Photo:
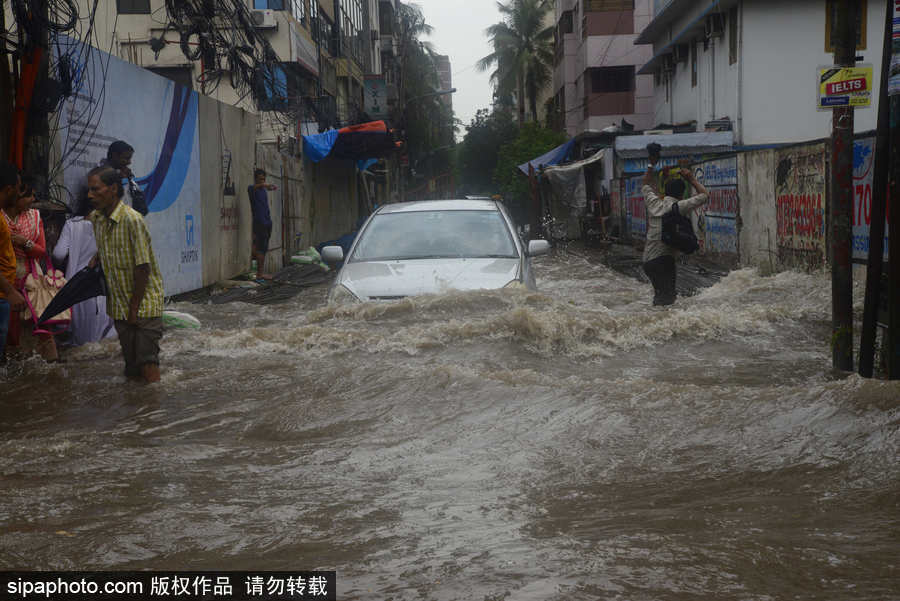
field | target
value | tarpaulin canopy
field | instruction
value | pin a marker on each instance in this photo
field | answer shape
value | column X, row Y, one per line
column 554, row 157
column 318, row 146
column 567, row 181
column 357, row 142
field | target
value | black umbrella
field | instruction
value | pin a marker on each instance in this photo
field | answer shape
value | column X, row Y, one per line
column 87, row 283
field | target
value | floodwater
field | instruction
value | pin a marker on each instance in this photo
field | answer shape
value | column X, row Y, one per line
column 573, row 443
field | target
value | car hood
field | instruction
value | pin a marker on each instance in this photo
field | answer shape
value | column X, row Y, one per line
column 394, row 279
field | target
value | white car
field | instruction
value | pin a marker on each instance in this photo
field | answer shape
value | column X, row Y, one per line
column 429, row 247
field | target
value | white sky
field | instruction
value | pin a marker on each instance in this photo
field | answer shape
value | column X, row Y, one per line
column 459, row 32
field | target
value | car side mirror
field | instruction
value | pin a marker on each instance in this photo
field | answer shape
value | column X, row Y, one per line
column 537, row 248
column 333, row 254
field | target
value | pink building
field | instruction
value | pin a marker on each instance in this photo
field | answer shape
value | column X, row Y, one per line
column 595, row 79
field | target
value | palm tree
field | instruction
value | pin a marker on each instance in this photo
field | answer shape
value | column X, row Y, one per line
column 523, row 52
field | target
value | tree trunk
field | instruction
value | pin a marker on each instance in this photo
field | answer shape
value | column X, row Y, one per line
column 521, row 97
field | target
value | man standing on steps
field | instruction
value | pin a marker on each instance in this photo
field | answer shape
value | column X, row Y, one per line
column 659, row 258
column 262, row 220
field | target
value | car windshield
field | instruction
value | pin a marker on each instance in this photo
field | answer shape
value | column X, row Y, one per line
column 434, row 235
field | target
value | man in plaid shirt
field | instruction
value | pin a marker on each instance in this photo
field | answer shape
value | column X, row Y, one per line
column 124, row 249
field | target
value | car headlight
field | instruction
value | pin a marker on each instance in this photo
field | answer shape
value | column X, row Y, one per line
column 341, row 295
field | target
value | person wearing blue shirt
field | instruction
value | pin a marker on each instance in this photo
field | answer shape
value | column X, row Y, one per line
column 262, row 220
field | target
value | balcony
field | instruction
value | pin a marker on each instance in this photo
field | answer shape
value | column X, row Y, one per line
column 609, row 103
column 607, row 23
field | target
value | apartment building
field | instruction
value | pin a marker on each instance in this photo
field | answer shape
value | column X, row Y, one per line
column 445, row 77
column 595, row 81
column 326, row 49
column 750, row 65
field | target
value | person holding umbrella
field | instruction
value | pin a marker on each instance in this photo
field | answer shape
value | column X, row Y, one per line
column 90, row 323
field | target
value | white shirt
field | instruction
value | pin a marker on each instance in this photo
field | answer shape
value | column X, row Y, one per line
column 656, row 208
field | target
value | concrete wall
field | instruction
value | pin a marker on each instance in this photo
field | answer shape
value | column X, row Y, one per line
column 227, row 134
column 783, row 45
column 269, row 158
column 331, row 206
column 756, row 191
column 770, row 92
column 719, row 218
column 800, row 195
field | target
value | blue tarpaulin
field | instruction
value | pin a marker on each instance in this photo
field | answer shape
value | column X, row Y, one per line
column 318, row 146
column 364, row 164
column 554, row 157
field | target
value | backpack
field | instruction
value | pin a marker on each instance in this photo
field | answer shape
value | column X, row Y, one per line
column 678, row 232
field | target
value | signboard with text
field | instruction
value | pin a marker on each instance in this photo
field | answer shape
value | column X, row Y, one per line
column 166, row 160
column 376, row 97
column 863, row 170
column 844, row 87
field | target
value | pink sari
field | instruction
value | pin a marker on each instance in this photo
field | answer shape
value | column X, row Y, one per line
column 28, row 225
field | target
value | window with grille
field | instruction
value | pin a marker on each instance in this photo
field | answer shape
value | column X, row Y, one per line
column 605, row 80
column 275, row 89
column 298, row 9
column 133, row 7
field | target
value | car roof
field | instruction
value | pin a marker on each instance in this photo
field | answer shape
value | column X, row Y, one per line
column 438, row 205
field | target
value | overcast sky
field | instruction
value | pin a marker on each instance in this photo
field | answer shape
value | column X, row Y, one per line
column 459, row 32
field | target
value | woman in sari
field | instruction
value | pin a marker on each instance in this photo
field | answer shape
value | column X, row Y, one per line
column 27, row 232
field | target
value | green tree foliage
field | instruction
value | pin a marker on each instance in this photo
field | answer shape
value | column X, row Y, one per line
column 532, row 141
column 522, row 52
column 480, row 148
column 427, row 122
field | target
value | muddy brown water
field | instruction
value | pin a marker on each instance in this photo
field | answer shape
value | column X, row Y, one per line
column 573, row 443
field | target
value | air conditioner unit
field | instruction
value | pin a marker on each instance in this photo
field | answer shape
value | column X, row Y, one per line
column 715, row 25
column 264, row 18
column 681, row 53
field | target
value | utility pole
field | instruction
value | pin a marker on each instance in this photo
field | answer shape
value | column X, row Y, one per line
column 893, row 342
column 841, row 206
column 879, row 199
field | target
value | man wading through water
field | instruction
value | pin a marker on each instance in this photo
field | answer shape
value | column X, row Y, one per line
column 135, row 300
column 659, row 258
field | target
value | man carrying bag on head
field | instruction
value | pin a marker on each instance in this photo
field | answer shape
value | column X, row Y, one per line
column 668, row 218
